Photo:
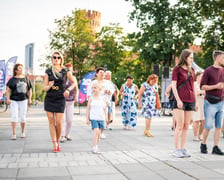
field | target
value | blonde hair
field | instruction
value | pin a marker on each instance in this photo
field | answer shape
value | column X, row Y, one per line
column 61, row 64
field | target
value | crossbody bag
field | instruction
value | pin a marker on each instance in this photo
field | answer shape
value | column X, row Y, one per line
column 171, row 97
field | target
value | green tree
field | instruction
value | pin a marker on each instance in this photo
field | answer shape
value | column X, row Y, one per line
column 165, row 29
column 73, row 37
column 211, row 11
column 114, row 50
column 108, row 48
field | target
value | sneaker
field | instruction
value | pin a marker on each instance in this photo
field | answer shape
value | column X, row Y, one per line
column 108, row 127
column 95, row 150
column 178, row 153
column 13, row 137
column 102, row 136
column 204, row 149
column 185, row 153
column 217, row 150
column 196, row 139
column 23, row 135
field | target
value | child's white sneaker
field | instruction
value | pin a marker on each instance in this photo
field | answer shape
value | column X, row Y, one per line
column 95, row 150
column 102, row 136
column 13, row 137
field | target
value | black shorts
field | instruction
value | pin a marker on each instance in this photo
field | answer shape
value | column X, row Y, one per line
column 187, row 106
column 171, row 104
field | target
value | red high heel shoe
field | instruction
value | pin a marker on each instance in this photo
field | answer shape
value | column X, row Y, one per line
column 56, row 149
column 59, row 148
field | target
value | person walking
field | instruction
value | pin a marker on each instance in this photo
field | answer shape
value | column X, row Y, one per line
column 170, row 96
column 113, row 100
column 128, row 92
column 18, row 96
column 96, row 113
column 107, row 89
column 198, row 117
column 69, row 108
column 213, row 84
column 183, row 78
column 147, row 101
column 54, row 103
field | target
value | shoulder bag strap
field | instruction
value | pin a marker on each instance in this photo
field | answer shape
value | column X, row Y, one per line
column 188, row 75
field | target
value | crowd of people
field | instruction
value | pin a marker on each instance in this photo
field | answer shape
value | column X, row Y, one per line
column 197, row 98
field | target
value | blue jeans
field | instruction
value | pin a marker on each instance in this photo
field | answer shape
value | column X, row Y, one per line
column 213, row 112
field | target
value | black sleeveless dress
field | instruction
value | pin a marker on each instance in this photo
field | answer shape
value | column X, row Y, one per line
column 54, row 99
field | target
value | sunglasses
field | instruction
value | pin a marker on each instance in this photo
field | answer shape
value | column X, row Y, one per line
column 56, row 57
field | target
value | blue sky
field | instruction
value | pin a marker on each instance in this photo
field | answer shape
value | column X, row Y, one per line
column 27, row 21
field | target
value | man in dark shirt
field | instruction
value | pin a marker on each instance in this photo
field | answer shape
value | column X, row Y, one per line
column 213, row 83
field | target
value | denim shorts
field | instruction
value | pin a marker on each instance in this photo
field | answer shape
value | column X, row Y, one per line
column 187, row 106
column 97, row 124
column 109, row 109
column 213, row 112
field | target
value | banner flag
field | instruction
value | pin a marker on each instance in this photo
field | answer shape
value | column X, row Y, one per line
column 87, row 78
column 2, row 78
column 9, row 68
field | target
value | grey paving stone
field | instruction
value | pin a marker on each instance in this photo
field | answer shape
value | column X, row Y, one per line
column 8, row 173
column 12, row 165
column 173, row 174
column 131, row 168
column 143, row 176
column 100, row 177
column 43, row 172
column 200, row 173
column 125, row 154
column 47, row 177
column 89, row 170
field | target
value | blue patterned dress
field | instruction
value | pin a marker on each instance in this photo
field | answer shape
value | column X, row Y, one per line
column 149, row 101
column 129, row 109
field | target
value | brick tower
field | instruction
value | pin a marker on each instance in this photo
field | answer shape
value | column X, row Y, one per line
column 95, row 20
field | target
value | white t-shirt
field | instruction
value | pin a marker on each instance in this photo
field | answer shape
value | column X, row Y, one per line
column 97, row 109
column 107, row 85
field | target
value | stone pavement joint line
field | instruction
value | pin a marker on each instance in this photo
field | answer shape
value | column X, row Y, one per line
column 168, row 164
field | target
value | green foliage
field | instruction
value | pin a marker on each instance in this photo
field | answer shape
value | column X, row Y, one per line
column 73, row 38
column 39, row 88
column 165, row 29
column 115, row 51
column 212, row 14
column 108, row 47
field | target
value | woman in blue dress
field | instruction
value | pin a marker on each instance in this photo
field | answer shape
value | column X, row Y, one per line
column 147, row 101
column 129, row 110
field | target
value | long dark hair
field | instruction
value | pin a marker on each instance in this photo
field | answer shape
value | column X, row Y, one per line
column 183, row 59
column 15, row 68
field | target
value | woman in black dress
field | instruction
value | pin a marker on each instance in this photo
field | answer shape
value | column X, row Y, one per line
column 54, row 104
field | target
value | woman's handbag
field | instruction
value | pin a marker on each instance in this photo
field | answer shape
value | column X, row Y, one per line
column 158, row 103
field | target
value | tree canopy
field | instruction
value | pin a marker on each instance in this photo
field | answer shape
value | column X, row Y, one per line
column 73, row 38
column 165, row 29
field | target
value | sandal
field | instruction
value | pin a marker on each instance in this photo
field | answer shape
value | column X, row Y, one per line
column 59, row 148
column 56, row 149
column 62, row 140
column 68, row 138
